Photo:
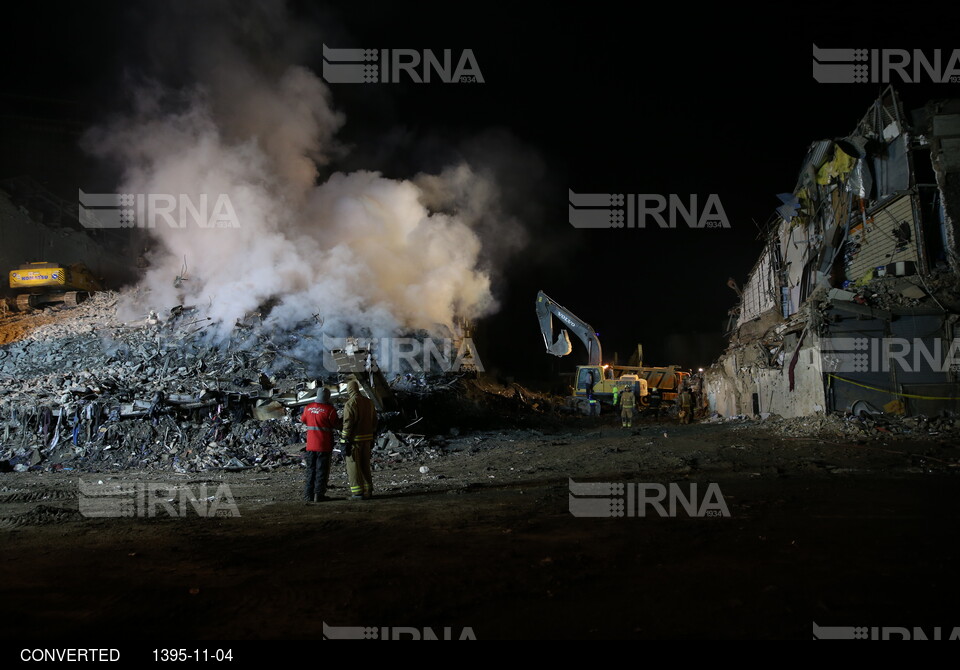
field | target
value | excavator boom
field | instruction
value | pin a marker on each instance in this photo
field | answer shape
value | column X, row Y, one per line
column 547, row 308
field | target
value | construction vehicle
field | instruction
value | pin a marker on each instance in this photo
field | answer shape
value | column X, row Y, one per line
column 595, row 382
column 44, row 283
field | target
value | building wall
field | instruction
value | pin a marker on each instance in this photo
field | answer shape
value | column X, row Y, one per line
column 23, row 240
column 731, row 383
column 858, row 206
column 760, row 291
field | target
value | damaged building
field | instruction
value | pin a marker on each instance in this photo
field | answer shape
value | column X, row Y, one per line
column 852, row 304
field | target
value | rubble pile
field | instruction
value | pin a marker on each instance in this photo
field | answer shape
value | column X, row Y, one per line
column 82, row 389
column 473, row 402
column 90, row 391
column 863, row 426
column 896, row 292
column 942, row 288
column 391, row 447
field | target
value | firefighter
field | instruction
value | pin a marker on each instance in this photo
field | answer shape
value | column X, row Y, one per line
column 686, row 405
column 616, row 395
column 359, row 425
column 321, row 420
column 628, row 402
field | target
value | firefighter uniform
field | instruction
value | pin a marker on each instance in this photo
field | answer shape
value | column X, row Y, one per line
column 359, row 425
column 628, row 403
column 321, row 421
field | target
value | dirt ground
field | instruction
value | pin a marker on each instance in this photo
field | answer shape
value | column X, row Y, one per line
column 837, row 533
column 16, row 325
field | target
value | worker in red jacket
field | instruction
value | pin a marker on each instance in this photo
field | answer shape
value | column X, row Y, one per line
column 321, row 420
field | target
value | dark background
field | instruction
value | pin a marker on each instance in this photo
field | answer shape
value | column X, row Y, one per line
column 593, row 99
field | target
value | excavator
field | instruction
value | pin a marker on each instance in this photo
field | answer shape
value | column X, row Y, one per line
column 44, row 283
column 596, row 381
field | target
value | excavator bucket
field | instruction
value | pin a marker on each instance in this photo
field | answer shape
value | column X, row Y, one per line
column 562, row 346
column 546, row 310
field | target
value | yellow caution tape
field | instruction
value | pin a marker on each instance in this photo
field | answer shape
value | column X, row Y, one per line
column 902, row 395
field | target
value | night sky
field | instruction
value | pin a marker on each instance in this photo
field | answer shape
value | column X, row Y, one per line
column 596, row 100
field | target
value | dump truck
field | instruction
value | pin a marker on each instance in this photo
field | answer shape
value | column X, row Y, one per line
column 43, row 283
column 595, row 382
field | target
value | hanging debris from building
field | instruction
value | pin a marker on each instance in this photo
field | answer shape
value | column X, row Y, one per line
column 853, row 302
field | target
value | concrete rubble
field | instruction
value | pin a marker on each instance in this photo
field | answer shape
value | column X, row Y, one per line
column 87, row 391
column 835, row 426
column 393, row 447
column 91, row 392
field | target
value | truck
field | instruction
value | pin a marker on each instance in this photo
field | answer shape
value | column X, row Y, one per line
column 596, row 382
column 43, row 283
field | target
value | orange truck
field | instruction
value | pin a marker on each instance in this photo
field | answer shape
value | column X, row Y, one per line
column 595, row 382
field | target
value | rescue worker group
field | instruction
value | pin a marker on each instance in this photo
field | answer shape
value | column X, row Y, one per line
column 356, row 428
column 626, row 399
column 359, row 425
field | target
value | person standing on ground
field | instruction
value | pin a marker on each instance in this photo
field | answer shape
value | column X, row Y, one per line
column 359, row 425
column 686, row 405
column 321, row 420
column 628, row 402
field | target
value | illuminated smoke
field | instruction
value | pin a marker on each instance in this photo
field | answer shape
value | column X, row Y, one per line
column 366, row 253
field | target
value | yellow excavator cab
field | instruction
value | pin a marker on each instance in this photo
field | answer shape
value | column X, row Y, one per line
column 43, row 283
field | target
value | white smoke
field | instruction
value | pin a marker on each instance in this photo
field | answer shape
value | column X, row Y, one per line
column 360, row 251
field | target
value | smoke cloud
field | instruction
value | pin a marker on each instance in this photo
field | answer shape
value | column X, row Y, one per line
column 359, row 252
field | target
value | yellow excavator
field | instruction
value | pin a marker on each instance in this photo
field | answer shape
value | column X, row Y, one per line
column 44, row 283
column 595, row 382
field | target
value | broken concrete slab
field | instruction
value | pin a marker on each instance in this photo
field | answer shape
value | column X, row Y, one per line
column 840, row 294
column 914, row 292
column 266, row 410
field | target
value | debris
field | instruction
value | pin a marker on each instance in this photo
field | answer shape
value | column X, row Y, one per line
column 83, row 389
column 913, row 291
column 235, row 464
column 866, row 425
column 846, row 285
column 268, row 410
column 840, row 294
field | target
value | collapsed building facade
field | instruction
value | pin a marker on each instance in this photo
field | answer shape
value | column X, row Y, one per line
column 853, row 303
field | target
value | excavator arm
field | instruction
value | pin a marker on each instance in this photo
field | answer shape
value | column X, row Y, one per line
column 546, row 310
